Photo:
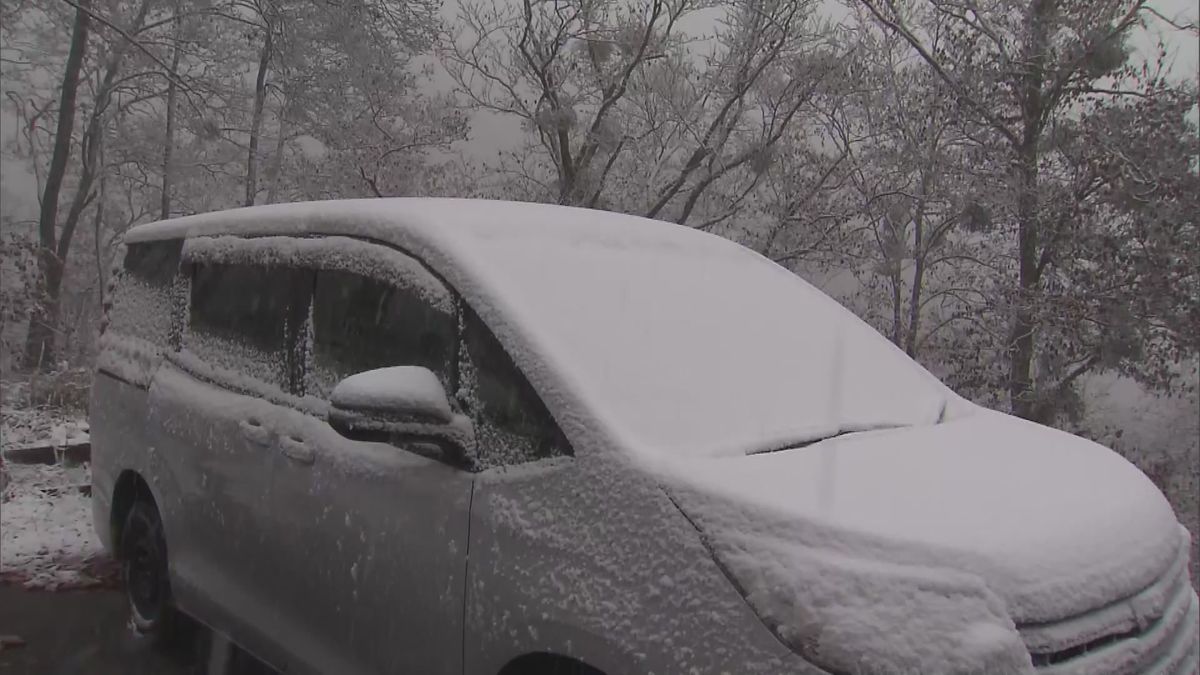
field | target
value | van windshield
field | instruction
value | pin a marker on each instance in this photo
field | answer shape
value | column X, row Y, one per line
column 689, row 345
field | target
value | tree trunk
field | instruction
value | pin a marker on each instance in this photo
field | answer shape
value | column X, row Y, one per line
column 1022, row 396
column 277, row 161
column 896, row 281
column 98, row 228
column 918, row 281
column 39, row 345
column 889, row 247
column 1020, row 347
column 164, row 207
column 914, row 299
column 260, row 98
column 92, row 145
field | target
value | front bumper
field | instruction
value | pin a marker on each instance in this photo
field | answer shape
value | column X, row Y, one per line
column 1155, row 631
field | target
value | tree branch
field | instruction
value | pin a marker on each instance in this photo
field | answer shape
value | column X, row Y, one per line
column 897, row 26
column 132, row 40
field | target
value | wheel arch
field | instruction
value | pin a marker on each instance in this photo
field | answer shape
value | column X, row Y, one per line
column 129, row 488
column 547, row 663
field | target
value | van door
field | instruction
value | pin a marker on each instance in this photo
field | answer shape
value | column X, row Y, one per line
column 212, row 421
column 373, row 537
column 137, row 329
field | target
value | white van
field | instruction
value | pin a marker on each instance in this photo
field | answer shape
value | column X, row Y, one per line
column 449, row 436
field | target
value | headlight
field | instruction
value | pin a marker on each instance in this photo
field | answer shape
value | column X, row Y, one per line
column 851, row 615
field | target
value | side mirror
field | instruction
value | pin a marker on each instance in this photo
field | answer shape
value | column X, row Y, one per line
column 402, row 405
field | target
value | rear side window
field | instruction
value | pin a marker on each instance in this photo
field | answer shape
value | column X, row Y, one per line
column 250, row 319
column 141, row 295
column 512, row 424
column 154, row 262
column 361, row 323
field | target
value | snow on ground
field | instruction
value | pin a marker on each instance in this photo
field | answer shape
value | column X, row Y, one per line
column 46, row 535
column 22, row 428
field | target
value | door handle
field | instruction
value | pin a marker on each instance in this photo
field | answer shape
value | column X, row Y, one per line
column 297, row 450
column 255, row 432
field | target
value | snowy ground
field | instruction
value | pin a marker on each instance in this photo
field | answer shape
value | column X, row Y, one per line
column 46, row 535
column 27, row 427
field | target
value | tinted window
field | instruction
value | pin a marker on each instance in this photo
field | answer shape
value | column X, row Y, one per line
column 249, row 319
column 360, row 324
column 155, row 261
column 512, row 424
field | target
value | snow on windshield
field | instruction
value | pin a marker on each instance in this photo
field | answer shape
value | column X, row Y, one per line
column 686, row 344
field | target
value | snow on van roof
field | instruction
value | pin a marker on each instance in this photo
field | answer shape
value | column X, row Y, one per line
column 399, row 220
column 656, row 338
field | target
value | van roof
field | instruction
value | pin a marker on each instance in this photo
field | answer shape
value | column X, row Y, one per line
column 404, row 221
column 653, row 337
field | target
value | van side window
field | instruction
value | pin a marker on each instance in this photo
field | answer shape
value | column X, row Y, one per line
column 250, row 319
column 154, row 262
column 360, row 323
column 140, row 295
column 512, row 424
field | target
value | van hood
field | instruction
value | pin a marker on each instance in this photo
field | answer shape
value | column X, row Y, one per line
column 1052, row 524
column 969, row 546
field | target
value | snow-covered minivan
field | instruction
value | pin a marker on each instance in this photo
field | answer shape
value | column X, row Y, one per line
column 444, row 436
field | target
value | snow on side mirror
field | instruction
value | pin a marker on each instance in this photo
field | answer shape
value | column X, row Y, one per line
column 402, row 405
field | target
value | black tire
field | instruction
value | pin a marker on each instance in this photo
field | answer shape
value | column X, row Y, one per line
column 143, row 555
column 548, row 664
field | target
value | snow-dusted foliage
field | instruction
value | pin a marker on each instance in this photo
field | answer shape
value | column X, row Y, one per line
column 25, row 426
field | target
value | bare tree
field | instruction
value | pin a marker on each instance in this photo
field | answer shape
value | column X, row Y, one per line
column 39, row 348
column 624, row 114
column 172, row 103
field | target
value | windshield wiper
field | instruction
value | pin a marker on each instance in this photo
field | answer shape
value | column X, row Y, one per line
column 821, row 439
column 835, row 388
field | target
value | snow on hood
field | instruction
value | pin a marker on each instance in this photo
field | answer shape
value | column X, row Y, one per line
column 1053, row 524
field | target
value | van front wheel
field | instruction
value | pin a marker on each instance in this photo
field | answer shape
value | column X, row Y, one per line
column 143, row 556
